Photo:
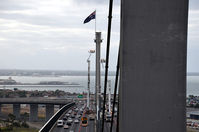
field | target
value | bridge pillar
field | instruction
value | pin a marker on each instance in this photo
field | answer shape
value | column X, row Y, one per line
column 16, row 110
column 153, row 65
column 49, row 111
column 33, row 112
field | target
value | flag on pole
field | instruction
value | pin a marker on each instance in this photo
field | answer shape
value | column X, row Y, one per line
column 90, row 17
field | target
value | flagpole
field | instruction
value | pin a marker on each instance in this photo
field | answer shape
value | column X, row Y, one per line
column 95, row 19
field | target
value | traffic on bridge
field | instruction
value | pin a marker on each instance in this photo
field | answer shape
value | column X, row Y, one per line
column 79, row 119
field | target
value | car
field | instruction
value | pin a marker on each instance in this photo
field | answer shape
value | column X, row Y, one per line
column 72, row 116
column 64, row 118
column 84, row 123
column 78, row 116
column 66, row 126
column 108, row 117
column 67, row 115
column 60, row 123
column 69, row 121
column 70, row 111
column 76, row 121
column 91, row 117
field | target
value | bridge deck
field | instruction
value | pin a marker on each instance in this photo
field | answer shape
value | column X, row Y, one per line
column 38, row 100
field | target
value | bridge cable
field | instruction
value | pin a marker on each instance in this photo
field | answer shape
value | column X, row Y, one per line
column 107, row 59
column 115, row 89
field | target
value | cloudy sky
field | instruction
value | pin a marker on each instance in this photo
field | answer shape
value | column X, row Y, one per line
column 50, row 34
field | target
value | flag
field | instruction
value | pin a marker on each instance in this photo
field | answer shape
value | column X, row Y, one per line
column 90, row 17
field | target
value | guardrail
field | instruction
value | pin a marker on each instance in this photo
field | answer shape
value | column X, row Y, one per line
column 49, row 124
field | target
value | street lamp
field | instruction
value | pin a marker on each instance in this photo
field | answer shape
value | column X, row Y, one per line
column 88, row 61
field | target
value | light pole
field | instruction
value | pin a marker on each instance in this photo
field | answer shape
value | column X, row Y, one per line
column 88, row 94
column 103, row 61
column 98, row 41
column 109, row 96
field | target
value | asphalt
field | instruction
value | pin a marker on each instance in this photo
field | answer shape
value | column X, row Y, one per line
column 76, row 127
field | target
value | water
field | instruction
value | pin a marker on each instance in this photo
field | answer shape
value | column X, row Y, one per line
column 82, row 80
column 192, row 83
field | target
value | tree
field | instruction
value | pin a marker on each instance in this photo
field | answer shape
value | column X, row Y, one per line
column 11, row 117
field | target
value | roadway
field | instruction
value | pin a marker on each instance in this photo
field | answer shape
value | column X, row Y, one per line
column 76, row 127
column 35, row 100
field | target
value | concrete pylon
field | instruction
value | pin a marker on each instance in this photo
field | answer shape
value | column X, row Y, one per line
column 33, row 112
column 153, row 65
column 16, row 110
column 49, row 111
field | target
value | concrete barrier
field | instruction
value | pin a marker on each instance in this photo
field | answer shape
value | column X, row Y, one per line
column 49, row 124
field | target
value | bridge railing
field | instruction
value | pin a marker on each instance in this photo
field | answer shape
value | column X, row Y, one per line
column 50, row 123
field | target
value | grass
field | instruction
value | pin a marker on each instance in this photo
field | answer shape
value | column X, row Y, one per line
column 24, row 130
column 191, row 130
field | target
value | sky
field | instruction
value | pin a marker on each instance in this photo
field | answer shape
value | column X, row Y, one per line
column 193, row 37
column 50, row 34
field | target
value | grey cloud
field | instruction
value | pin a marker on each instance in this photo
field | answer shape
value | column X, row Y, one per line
column 194, row 4
column 7, row 5
column 43, row 20
column 116, row 2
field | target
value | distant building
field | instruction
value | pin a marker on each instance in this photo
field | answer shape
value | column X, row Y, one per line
column 8, row 81
column 193, row 115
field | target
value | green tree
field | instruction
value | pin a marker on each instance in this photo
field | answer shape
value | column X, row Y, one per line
column 24, row 124
column 11, row 117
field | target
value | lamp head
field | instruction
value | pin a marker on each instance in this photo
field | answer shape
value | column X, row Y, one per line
column 91, row 51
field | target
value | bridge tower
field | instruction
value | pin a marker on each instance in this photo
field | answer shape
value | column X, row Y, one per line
column 153, row 65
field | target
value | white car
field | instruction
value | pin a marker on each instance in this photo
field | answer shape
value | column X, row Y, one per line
column 78, row 116
column 67, row 115
column 76, row 121
column 69, row 121
column 60, row 123
column 92, row 117
column 70, row 111
column 66, row 126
